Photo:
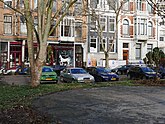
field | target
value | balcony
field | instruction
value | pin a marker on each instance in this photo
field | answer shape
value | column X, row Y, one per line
column 141, row 37
column 141, row 13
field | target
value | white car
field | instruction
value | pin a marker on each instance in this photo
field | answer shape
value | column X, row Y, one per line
column 79, row 75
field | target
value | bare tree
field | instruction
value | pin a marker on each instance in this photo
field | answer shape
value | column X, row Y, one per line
column 115, row 6
column 45, row 17
column 158, row 7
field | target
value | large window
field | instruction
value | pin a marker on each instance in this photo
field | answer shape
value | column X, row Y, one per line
column 139, row 5
column 126, row 5
column 23, row 29
column 103, row 23
column 67, row 28
column 111, row 45
column 138, row 51
column 140, row 26
column 101, row 48
column 150, row 29
column 35, row 4
column 8, row 2
column 93, row 45
column 92, row 23
column 52, row 29
column 125, row 27
column 149, row 47
column 78, row 29
column 111, row 24
column 150, row 8
column 7, row 24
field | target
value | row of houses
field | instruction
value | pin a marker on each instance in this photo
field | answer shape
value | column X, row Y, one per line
column 75, row 43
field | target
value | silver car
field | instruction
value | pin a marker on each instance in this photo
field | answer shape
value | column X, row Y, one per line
column 71, row 75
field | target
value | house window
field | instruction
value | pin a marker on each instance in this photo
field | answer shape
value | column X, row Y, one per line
column 125, row 27
column 101, row 48
column 150, row 8
column 23, row 29
column 111, row 24
column 126, row 5
column 112, row 4
column 93, row 3
column 150, row 29
column 103, row 23
column 78, row 29
column 7, row 24
column 142, row 26
column 125, row 45
column 67, row 28
column 149, row 47
column 78, row 8
column 93, row 45
column 161, row 38
column 139, row 5
column 8, row 2
column 93, row 23
column 111, row 45
column 54, row 6
column 52, row 29
column 22, row 3
column 138, row 51
column 35, row 4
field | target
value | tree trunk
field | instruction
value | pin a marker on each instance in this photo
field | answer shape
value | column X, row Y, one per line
column 106, row 59
column 36, row 72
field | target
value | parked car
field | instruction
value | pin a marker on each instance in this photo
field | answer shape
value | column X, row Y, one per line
column 121, row 69
column 48, row 75
column 76, row 75
column 161, row 71
column 101, row 74
column 141, row 72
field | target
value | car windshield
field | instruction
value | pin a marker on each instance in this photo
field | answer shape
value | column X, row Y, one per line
column 102, row 70
column 47, row 70
column 108, row 69
column 78, row 71
column 147, row 69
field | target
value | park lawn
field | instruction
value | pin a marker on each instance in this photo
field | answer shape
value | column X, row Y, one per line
column 11, row 96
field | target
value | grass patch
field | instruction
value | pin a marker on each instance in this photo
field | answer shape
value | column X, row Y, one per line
column 11, row 96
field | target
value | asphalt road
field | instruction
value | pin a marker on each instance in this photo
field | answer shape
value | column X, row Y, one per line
column 110, row 105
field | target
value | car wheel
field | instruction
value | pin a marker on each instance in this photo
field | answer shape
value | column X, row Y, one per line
column 129, row 76
column 119, row 72
column 73, row 81
column 100, row 79
column 144, row 78
column 61, row 79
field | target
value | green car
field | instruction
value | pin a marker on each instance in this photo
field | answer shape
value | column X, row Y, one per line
column 48, row 75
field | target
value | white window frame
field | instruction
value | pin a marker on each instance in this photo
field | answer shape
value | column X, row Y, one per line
column 23, row 29
column 111, row 23
column 150, row 29
column 110, row 40
column 149, row 47
column 93, row 49
column 7, row 24
column 103, row 22
column 104, row 43
column 139, row 52
column 67, row 23
column 125, row 27
column 9, row 2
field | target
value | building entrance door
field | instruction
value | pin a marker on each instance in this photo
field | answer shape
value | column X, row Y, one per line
column 125, row 55
column 15, row 55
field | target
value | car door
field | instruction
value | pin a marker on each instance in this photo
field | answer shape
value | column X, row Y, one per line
column 139, row 73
